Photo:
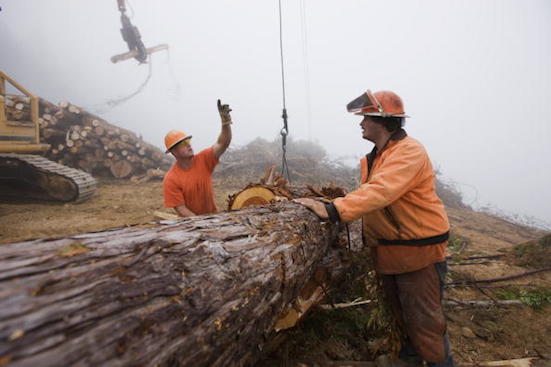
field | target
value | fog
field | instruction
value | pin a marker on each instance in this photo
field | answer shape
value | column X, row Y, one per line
column 474, row 75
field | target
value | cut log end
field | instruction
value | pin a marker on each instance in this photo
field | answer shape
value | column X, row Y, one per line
column 121, row 169
column 256, row 195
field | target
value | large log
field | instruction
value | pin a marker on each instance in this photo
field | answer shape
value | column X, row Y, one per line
column 202, row 291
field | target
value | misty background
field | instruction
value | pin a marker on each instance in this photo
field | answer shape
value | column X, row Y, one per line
column 475, row 76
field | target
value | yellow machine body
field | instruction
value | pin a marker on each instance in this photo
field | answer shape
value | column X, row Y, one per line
column 23, row 173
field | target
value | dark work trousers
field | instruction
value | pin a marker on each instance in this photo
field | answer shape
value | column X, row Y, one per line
column 416, row 302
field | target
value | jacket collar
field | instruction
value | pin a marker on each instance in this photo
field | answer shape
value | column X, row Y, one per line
column 396, row 136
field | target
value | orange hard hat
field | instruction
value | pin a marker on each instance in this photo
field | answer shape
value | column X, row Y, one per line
column 382, row 103
column 174, row 137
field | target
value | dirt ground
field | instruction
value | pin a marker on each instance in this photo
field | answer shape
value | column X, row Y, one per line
column 117, row 203
column 495, row 333
column 477, row 334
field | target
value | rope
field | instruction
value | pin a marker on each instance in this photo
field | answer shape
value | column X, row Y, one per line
column 285, row 130
column 118, row 101
column 112, row 103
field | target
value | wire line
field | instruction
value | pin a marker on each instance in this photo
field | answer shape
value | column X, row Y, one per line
column 285, row 130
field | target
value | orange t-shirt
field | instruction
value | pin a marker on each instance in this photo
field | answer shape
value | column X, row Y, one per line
column 192, row 187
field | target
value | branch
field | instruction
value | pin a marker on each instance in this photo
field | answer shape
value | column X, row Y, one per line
column 491, row 280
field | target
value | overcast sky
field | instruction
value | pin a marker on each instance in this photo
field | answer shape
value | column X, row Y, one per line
column 474, row 75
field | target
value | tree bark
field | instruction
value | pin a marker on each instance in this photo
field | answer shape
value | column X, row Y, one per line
column 201, row 291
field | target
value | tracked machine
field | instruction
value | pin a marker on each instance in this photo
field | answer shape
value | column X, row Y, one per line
column 24, row 173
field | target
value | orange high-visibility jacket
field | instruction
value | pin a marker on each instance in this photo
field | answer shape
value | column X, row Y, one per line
column 399, row 207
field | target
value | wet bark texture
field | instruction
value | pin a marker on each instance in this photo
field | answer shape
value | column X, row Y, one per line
column 203, row 291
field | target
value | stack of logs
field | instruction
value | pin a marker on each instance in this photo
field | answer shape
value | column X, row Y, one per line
column 82, row 140
column 17, row 108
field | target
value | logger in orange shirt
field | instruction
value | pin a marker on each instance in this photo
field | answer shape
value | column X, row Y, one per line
column 405, row 223
column 187, row 186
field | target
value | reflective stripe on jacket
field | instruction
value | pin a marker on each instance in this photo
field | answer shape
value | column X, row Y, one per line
column 402, row 215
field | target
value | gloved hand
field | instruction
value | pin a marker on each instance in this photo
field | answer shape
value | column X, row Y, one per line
column 314, row 205
column 224, row 111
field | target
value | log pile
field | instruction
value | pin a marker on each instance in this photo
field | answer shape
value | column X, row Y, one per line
column 82, row 140
column 18, row 108
column 202, row 291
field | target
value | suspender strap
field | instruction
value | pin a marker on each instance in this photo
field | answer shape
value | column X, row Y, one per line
column 434, row 240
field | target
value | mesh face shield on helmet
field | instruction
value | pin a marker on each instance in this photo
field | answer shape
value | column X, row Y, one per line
column 383, row 103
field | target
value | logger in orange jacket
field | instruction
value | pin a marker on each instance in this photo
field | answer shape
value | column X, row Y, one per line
column 405, row 223
column 187, row 186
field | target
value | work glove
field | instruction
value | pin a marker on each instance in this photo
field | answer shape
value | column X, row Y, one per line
column 224, row 110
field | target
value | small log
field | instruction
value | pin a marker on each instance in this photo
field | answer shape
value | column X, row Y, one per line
column 9, row 101
column 121, row 168
column 447, row 302
column 476, row 303
column 74, row 109
column 49, row 133
column 500, row 279
column 66, row 117
column 521, row 362
column 51, row 119
column 99, row 153
column 99, row 130
column 114, row 132
column 74, row 135
column 90, row 144
column 47, row 107
column 87, row 165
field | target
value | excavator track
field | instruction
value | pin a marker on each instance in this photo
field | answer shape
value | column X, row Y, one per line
column 34, row 177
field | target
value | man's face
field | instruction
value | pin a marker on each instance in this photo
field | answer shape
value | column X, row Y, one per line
column 370, row 129
column 183, row 150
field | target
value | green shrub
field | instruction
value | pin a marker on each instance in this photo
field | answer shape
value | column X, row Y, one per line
column 536, row 298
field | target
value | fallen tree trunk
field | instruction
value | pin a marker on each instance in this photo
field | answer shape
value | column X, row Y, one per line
column 203, row 291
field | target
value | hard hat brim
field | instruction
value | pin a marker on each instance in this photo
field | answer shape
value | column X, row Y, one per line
column 176, row 143
column 380, row 114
